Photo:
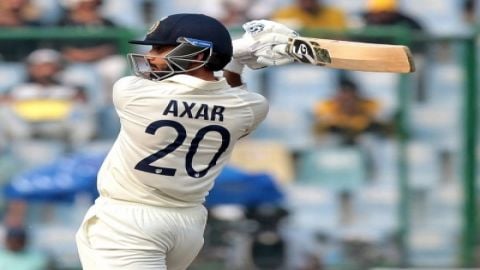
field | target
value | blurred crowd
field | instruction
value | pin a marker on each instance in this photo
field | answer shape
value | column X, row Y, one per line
column 55, row 93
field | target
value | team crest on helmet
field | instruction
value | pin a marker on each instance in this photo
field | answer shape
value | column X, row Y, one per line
column 153, row 27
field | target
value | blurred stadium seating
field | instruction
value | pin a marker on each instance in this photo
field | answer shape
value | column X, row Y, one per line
column 265, row 156
column 381, row 87
column 290, row 114
column 337, row 168
column 10, row 75
column 442, row 18
column 337, row 196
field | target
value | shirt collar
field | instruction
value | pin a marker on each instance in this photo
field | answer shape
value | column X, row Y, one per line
column 199, row 83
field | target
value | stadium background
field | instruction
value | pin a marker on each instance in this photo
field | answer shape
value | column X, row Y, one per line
column 403, row 199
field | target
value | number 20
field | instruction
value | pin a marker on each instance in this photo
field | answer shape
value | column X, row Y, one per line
column 144, row 164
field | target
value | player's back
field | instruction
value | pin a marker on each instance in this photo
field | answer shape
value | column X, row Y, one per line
column 176, row 136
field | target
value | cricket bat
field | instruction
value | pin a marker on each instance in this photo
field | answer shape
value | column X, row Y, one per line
column 360, row 56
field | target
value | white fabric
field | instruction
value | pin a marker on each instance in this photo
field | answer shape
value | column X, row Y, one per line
column 243, row 54
column 139, row 103
column 234, row 66
column 259, row 28
column 150, row 219
column 120, row 235
column 263, row 44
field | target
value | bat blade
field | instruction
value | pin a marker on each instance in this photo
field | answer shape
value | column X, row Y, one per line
column 350, row 55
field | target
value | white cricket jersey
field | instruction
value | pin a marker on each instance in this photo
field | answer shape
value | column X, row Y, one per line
column 176, row 135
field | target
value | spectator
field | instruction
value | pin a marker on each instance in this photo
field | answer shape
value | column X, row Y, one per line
column 43, row 107
column 15, row 213
column 16, row 256
column 85, row 13
column 234, row 13
column 347, row 113
column 470, row 12
column 101, row 54
column 311, row 14
column 18, row 13
column 387, row 13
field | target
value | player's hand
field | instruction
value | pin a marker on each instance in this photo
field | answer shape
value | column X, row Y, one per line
column 263, row 44
column 243, row 52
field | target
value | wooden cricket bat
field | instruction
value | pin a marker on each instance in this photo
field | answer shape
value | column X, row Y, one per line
column 350, row 55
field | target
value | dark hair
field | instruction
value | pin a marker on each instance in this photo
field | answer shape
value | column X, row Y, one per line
column 16, row 232
column 469, row 5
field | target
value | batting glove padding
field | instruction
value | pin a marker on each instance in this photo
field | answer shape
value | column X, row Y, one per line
column 263, row 44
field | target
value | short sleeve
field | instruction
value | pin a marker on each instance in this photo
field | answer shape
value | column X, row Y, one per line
column 259, row 108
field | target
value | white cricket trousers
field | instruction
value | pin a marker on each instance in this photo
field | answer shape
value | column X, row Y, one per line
column 123, row 235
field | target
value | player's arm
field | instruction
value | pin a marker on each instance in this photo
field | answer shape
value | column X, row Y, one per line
column 268, row 43
column 233, row 79
column 242, row 55
column 233, row 70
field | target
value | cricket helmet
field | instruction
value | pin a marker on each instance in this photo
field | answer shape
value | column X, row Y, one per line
column 192, row 34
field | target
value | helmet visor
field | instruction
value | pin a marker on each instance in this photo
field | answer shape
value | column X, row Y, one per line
column 178, row 60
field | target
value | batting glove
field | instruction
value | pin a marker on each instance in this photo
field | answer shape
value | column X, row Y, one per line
column 263, row 44
column 268, row 41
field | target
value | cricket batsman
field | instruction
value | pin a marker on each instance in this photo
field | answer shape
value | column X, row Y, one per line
column 179, row 124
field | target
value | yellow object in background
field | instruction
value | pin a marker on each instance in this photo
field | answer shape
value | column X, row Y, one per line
column 297, row 18
column 381, row 5
column 331, row 114
column 39, row 110
column 264, row 156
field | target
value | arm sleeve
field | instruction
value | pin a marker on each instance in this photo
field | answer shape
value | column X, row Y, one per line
column 258, row 105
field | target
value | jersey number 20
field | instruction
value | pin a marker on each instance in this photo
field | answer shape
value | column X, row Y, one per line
column 144, row 164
